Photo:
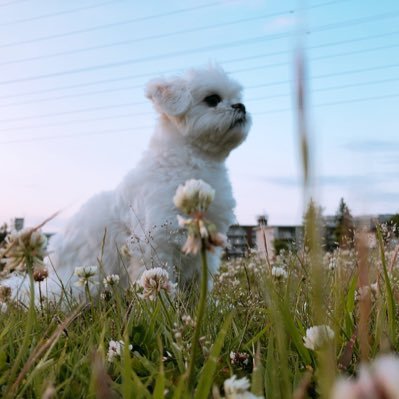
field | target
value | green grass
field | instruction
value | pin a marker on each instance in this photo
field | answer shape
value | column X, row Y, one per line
column 63, row 349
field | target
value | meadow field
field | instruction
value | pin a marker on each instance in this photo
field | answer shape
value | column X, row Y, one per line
column 253, row 339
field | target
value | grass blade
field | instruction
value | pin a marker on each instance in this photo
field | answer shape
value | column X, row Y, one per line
column 205, row 382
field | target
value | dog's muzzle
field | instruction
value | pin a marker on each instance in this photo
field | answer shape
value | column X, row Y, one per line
column 239, row 114
column 240, row 107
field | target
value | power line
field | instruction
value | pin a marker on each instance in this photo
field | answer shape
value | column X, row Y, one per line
column 268, row 84
column 327, row 75
column 56, row 14
column 111, row 25
column 328, row 104
column 131, row 41
column 78, row 111
column 127, row 88
column 128, row 77
column 162, row 35
column 70, row 122
column 324, row 89
column 77, row 135
column 139, row 19
column 10, row 3
column 68, row 96
column 200, row 49
column 273, row 111
column 250, row 100
column 323, row 57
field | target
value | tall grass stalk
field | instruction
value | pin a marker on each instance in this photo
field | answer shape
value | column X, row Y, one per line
column 199, row 316
column 364, row 300
column 326, row 356
column 30, row 321
column 391, row 304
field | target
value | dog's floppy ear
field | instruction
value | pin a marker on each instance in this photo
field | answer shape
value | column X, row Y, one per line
column 169, row 97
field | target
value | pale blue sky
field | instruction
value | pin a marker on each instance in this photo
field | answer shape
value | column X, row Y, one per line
column 73, row 118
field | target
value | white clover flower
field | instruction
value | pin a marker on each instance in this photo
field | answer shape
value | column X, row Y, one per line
column 345, row 388
column 3, row 307
column 85, row 274
column 24, row 248
column 111, row 280
column 154, row 281
column 365, row 291
column 200, row 230
column 318, row 336
column 193, row 196
column 238, row 389
column 115, row 348
column 239, row 358
column 385, row 372
column 188, row 321
column 379, row 380
column 279, row 272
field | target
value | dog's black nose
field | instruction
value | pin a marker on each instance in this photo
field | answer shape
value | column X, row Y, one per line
column 239, row 106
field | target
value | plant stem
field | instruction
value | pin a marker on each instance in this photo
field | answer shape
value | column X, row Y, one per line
column 87, row 292
column 200, row 315
column 165, row 309
column 28, row 329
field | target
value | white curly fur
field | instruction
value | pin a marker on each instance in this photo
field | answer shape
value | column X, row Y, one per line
column 135, row 226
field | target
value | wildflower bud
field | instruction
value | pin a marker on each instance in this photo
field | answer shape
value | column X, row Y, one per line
column 238, row 388
column 111, row 280
column 239, row 359
column 85, row 274
column 194, row 196
column 318, row 337
column 106, row 295
column 154, row 281
column 279, row 273
column 40, row 274
column 115, row 349
column 23, row 249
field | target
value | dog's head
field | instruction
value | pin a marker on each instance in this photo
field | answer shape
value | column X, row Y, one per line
column 205, row 107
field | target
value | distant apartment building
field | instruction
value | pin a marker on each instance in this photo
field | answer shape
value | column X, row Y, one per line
column 265, row 239
column 272, row 239
column 240, row 239
column 269, row 240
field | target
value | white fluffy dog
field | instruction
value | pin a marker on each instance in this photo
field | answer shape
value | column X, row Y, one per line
column 134, row 227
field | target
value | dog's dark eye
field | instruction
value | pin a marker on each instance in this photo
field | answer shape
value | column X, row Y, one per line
column 212, row 100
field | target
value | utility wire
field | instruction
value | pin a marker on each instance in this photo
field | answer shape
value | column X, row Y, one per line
column 323, row 57
column 10, row 3
column 128, row 88
column 201, row 49
column 327, row 75
column 77, row 135
column 139, row 19
column 112, row 25
column 70, row 122
column 249, row 101
column 319, row 90
column 159, row 36
column 135, row 128
column 129, row 77
column 328, row 104
column 268, row 84
column 56, row 14
column 78, row 111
